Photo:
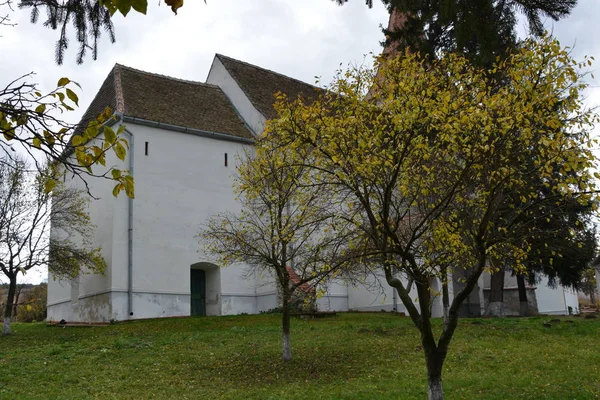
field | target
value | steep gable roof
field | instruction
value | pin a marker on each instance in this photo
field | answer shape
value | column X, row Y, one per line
column 167, row 100
column 261, row 85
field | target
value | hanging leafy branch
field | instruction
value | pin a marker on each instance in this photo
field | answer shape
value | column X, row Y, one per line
column 31, row 120
column 89, row 19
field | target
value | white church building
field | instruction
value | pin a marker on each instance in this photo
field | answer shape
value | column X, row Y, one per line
column 184, row 137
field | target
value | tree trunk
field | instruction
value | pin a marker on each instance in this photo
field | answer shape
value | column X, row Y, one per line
column 287, row 348
column 435, row 363
column 523, row 303
column 12, row 286
column 445, row 297
column 593, row 298
column 18, row 290
column 496, row 301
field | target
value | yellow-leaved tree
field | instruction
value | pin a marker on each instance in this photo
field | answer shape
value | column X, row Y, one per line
column 286, row 228
column 436, row 164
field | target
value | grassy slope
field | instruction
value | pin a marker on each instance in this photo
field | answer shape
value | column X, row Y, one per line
column 351, row 356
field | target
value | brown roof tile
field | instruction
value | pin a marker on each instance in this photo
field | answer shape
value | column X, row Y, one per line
column 106, row 97
column 261, row 85
column 168, row 100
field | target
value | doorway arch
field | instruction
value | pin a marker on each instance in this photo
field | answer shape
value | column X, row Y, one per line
column 205, row 289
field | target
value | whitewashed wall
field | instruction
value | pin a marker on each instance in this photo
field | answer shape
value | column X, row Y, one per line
column 88, row 298
column 554, row 301
column 182, row 181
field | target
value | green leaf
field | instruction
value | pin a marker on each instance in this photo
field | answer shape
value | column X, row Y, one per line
column 174, row 4
column 110, row 6
column 37, row 142
column 49, row 137
column 9, row 134
column 140, row 5
column 72, row 96
column 109, row 135
column 116, row 173
column 21, row 120
column 40, row 108
column 63, row 81
column 124, row 6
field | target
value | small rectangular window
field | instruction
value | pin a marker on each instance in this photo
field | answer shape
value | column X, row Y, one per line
column 225, row 159
column 146, row 148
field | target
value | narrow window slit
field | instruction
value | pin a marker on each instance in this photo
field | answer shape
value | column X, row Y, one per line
column 146, row 148
column 225, row 159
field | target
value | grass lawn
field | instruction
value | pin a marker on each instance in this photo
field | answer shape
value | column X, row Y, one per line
column 350, row 356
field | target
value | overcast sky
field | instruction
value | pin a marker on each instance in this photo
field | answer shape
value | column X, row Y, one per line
column 301, row 39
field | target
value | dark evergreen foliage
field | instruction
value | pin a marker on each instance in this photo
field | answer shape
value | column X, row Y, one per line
column 481, row 29
column 88, row 18
column 565, row 247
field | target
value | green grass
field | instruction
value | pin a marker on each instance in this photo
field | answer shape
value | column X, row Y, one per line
column 350, row 356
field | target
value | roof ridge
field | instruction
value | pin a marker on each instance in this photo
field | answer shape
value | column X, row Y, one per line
column 139, row 71
column 119, row 100
column 265, row 69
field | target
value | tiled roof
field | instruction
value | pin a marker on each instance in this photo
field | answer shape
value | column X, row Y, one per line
column 160, row 98
column 261, row 85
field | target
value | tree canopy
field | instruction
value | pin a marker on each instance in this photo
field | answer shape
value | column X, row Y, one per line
column 285, row 228
column 440, row 164
column 27, row 209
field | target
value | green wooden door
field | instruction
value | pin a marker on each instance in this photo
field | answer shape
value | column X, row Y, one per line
column 198, row 291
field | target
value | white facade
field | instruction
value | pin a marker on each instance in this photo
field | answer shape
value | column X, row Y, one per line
column 556, row 301
column 150, row 244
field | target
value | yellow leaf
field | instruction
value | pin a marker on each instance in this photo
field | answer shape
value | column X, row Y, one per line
column 49, row 185
column 77, row 140
column 120, row 151
column 63, row 81
column 109, row 135
column 117, row 189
